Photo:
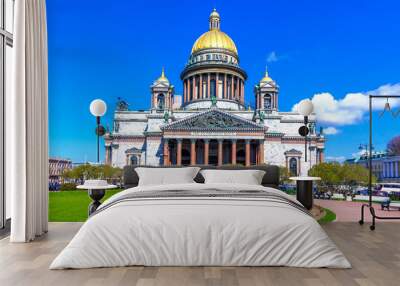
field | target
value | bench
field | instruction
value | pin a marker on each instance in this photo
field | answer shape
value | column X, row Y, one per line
column 387, row 205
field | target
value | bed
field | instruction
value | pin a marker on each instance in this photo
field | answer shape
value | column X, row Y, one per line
column 201, row 224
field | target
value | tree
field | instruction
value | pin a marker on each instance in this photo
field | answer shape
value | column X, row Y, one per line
column 333, row 175
column 87, row 171
column 284, row 175
column 330, row 173
column 393, row 147
column 354, row 174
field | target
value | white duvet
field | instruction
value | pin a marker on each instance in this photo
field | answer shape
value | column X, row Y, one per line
column 200, row 231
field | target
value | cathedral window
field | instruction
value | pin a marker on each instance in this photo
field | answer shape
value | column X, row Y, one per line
column 293, row 166
column 267, row 101
column 134, row 160
column 160, row 101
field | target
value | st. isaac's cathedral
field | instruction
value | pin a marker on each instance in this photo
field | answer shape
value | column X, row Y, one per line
column 210, row 123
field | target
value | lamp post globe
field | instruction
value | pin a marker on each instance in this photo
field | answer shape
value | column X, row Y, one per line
column 98, row 107
column 305, row 107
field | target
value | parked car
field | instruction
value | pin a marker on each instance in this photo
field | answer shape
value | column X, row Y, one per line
column 288, row 188
column 54, row 186
column 322, row 195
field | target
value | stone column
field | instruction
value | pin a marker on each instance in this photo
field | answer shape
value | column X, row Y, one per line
column 220, row 154
column 194, row 88
column 187, row 89
column 247, row 161
column 262, row 101
column 166, row 153
column 193, row 152
column 235, row 88
column 179, row 153
column 108, row 155
column 321, row 155
column 233, row 151
column 242, row 97
column 208, row 85
column 224, row 93
column 298, row 166
column 184, row 91
column 206, row 150
column 232, row 88
column 201, row 86
column 261, row 152
column 240, row 90
column 216, row 85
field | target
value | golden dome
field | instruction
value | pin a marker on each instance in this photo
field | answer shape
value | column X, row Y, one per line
column 214, row 13
column 163, row 77
column 266, row 77
column 214, row 38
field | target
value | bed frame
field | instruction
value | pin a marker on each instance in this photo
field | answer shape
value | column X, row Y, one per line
column 270, row 179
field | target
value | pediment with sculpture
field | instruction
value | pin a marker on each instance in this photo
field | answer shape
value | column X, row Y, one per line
column 214, row 120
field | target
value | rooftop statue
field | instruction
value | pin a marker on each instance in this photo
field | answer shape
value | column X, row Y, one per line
column 122, row 105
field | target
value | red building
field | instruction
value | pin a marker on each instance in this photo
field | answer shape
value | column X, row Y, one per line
column 56, row 168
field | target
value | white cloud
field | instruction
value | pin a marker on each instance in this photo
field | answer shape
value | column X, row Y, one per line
column 352, row 108
column 272, row 57
column 331, row 131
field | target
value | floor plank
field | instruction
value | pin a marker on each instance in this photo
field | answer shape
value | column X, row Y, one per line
column 375, row 257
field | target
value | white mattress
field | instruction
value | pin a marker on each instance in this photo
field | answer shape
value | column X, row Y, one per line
column 200, row 232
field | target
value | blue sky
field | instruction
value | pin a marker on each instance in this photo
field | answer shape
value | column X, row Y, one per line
column 106, row 49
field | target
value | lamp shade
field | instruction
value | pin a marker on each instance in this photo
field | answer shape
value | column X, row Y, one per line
column 305, row 107
column 98, row 107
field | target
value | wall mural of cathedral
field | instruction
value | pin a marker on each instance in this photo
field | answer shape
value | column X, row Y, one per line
column 210, row 123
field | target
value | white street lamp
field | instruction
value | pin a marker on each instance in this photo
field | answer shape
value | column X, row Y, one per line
column 98, row 108
column 305, row 108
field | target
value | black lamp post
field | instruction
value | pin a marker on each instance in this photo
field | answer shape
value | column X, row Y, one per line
column 369, row 157
column 98, row 108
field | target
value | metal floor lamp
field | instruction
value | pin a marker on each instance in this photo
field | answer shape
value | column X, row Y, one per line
column 369, row 205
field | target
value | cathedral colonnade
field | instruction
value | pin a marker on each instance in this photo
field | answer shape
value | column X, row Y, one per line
column 221, row 151
column 220, row 85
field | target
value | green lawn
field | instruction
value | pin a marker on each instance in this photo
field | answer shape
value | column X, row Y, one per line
column 329, row 216
column 71, row 205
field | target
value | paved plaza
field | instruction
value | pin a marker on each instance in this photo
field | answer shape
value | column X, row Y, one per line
column 350, row 211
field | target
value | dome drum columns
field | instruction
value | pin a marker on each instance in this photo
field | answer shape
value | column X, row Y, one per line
column 220, row 85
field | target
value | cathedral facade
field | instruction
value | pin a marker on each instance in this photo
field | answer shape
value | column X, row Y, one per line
column 210, row 123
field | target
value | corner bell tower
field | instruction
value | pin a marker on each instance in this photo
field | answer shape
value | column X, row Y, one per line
column 266, row 94
column 162, row 93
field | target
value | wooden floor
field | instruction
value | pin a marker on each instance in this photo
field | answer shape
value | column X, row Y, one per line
column 375, row 257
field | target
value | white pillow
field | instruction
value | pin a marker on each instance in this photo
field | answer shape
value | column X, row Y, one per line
column 248, row 177
column 166, row 176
